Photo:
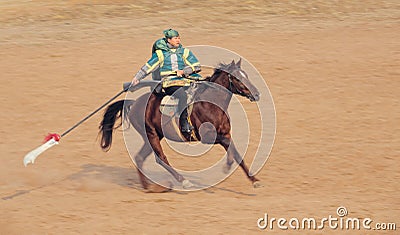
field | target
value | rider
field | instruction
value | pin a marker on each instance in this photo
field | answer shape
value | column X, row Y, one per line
column 174, row 63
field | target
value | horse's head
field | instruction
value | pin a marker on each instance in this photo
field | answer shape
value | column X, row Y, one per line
column 239, row 82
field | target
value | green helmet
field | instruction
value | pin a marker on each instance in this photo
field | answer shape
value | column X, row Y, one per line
column 170, row 33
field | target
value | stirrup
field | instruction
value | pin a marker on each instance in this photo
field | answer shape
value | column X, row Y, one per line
column 186, row 128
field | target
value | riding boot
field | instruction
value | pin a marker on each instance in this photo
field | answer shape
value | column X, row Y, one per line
column 184, row 123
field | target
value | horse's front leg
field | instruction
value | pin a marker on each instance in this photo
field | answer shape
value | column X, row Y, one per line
column 232, row 153
column 225, row 141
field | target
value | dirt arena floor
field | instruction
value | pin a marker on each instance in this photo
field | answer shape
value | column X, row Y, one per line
column 333, row 69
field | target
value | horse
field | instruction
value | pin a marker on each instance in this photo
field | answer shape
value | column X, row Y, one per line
column 145, row 116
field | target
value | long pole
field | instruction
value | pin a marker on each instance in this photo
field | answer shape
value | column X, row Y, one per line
column 93, row 113
column 52, row 139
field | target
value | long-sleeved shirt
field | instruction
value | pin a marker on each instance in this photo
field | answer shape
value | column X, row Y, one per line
column 169, row 60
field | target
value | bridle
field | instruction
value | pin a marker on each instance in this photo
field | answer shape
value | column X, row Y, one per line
column 232, row 88
column 232, row 85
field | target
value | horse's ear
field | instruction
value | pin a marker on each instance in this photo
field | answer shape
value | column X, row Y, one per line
column 239, row 63
column 232, row 64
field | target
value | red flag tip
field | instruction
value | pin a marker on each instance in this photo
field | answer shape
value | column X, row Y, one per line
column 50, row 136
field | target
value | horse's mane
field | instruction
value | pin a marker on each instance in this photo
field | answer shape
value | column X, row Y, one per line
column 221, row 67
column 207, row 82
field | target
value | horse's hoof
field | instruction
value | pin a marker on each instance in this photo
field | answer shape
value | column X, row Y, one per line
column 226, row 168
column 187, row 184
column 257, row 184
column 155, row 188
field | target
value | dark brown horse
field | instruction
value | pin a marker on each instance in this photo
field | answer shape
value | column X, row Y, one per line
column 211, row 101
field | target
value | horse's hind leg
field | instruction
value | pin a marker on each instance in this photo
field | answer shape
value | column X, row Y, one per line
column 144, row 152
column 161, row 159
column 232, row 152
column 141, row 156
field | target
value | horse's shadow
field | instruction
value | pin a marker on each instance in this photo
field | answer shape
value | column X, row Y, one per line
column 128, row 177
column 124, row 177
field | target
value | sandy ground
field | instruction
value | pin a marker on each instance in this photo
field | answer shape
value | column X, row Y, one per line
column 332, row 68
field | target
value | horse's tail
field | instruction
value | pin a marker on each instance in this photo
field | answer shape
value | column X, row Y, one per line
column 113, row 112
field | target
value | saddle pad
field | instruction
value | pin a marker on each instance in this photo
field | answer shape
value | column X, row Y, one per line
column 169, row 106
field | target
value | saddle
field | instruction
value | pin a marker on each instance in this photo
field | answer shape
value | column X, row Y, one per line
column 169, row 106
